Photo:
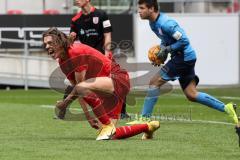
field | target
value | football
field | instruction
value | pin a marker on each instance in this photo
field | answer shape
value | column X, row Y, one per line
column 152, row 55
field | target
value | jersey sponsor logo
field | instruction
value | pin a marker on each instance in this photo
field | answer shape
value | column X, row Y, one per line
column 177, row 35
column 82, row 32
column 91, row 32
column 106, row 24
column 95, row 20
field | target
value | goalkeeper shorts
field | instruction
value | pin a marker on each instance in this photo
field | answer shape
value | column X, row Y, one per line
column 177, row 68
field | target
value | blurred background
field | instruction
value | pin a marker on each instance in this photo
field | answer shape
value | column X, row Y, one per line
column 213, row 27
column 116, row 6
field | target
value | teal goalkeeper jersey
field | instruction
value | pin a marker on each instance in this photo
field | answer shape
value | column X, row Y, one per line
column 170, row 33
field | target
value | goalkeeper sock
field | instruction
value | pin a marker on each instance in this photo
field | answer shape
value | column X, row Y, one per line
column 150, row 101
column 129, row 131
column 210, row 101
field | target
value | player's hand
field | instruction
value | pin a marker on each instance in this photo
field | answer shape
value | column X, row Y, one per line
column 72, row 36
column 61, row 105
column 163, row 53
column 94, row 123
column 60, row 109
column 59, row 113
column 109, row 54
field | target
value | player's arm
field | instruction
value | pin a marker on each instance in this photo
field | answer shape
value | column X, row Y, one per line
column 173, row 29
column 107, row 43
column 70, row 85
column 107, row 30
column 79, row 77
column 73, row 31
column 73, row 36
column 91, row 120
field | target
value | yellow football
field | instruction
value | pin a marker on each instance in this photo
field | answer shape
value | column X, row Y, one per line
column 152, row 55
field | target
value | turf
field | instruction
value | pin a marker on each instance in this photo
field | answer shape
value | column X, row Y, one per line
column 28, row 131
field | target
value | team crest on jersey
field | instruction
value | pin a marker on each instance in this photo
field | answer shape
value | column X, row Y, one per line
column 160, row 31
column 95, row 20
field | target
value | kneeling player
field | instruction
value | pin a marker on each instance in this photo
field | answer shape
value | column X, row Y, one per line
column 98, row 81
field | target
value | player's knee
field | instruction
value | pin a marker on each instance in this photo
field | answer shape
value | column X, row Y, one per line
column 82, row 88
column 153, row 82
column 191, row 97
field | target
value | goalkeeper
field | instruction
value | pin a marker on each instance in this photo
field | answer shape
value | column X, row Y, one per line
column 181, row 66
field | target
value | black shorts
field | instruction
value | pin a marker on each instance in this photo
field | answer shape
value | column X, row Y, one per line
column 177, row 68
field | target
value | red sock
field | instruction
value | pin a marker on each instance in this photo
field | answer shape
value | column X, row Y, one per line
column 129, row 131
column 97, row 108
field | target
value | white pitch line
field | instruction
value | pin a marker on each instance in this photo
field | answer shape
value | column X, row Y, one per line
column 212, row 122
column 232, row 98
column 222, row 97
column 188, row 121
column 201, row 122
column 47, row 106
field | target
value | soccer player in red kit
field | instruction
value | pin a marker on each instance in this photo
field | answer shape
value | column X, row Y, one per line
column 98, row 82
column 91, row 26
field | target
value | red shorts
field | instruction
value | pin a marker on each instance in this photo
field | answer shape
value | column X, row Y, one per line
column 113, row 103
column 121, row 82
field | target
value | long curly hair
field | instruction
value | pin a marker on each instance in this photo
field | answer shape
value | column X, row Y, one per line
column 59, row 38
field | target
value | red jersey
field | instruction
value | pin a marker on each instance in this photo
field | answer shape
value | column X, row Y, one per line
column 81, row 57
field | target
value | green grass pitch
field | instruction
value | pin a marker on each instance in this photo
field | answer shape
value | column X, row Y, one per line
column 29, row 132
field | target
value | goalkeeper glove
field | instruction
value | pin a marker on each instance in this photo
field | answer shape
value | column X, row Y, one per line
column 163, row 53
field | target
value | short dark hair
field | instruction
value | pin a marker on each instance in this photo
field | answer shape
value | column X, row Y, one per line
column 149, row 4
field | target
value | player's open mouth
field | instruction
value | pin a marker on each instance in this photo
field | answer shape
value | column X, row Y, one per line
column 51, row 52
